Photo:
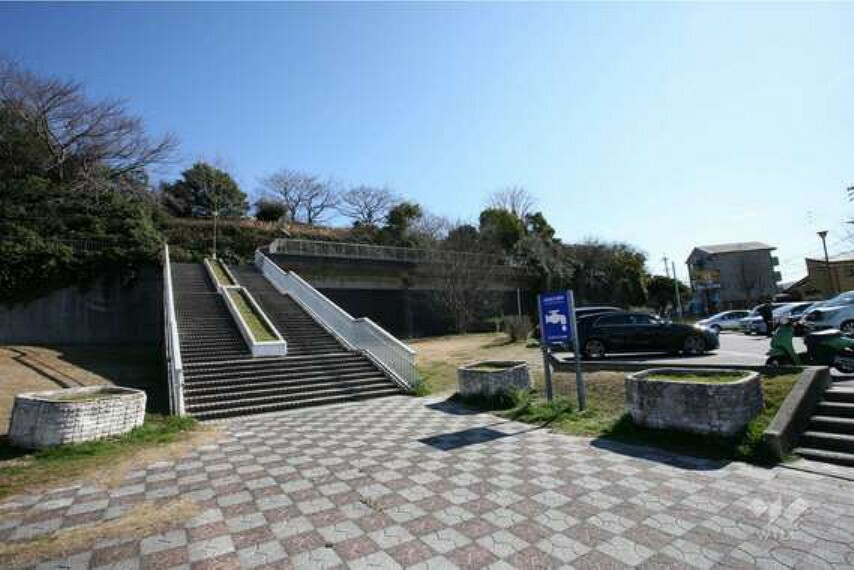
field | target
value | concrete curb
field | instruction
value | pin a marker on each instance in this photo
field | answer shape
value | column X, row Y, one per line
column 568, row 365
column 794, row 415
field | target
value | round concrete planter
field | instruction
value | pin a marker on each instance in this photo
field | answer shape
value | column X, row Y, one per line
column 492, row 377
column 694, row 406
column 74, row 415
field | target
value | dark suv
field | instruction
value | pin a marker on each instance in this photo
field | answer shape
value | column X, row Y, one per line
column 641, row 332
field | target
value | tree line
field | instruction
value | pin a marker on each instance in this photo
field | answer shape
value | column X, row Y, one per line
column 74, row 168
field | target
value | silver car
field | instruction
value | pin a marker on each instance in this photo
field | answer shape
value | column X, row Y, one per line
column 726, row 320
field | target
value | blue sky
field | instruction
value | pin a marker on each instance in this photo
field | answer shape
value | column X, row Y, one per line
column 663, row 125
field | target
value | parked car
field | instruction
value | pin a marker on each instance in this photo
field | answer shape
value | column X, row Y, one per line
column 581, row 312
column 799, row 323
column 787, row 311
column 726, row 320
column 641, row 332
column 835, row 313
column 747, row 324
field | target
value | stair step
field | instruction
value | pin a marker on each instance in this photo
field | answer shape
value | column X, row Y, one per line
column 838, row 457
column 294, row 360
column 240, row 410
column 839, row 395
column 262, row 401
column 198, row 386
column 831, row 424
column 259, row 375
column 838, row 409
column 828, row 441
column 240, row 392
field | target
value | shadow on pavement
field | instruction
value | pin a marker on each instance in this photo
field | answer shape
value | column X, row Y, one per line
column 642, row 451
column 449, row 407
column 464, row 438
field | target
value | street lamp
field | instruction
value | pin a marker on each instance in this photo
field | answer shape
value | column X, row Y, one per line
column 823, row 235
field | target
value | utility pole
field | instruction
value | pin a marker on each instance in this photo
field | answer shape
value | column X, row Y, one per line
column 666, row 267
column 823, row 235
column 676, row 290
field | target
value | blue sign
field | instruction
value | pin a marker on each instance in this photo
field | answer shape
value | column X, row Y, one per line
column 555, row 318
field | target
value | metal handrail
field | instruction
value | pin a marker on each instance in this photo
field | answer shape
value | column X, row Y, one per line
column 174, row 364
column 361, row 334
column 385, row 252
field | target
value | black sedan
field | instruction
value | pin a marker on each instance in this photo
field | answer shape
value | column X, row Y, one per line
column 641, row 332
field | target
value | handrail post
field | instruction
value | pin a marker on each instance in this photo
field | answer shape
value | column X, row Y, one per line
column 173, row 346
column 385, row 350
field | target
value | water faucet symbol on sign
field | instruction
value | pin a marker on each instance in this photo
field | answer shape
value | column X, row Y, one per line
column 555, row 317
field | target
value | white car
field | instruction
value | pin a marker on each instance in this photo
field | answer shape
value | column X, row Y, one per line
column 726, row 320
column 835, row 313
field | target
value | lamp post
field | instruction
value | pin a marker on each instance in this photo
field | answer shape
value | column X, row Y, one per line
column 823, row 235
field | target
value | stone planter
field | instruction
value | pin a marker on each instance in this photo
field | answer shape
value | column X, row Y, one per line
column 491, row 377
column 719, row 408
column 74, row 415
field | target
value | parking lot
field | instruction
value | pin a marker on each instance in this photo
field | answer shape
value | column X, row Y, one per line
column 737, row 349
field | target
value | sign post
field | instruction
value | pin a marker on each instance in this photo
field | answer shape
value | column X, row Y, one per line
column 558, row 328
column 576, row 352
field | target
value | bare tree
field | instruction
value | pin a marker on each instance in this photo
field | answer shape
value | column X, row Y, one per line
column 514, row 199
column 431, row 227
column 319, row 197
column 82, row 140
column 304, row 197
column 464, row 289
column 366, row 205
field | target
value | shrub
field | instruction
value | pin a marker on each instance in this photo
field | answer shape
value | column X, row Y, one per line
column 518, row 327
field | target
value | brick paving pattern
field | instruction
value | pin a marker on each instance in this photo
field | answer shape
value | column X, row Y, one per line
column 404, row 482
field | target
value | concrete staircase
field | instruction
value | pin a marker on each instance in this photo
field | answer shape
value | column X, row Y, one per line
column 221, row 378
column 830, row 435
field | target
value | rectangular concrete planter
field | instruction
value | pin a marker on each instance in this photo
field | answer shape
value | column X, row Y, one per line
column 491, row 377
column 277, row 347
column 74, row 415
column 212, row 274
column 698, row 407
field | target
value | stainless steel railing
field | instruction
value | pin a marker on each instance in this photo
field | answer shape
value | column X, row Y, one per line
column 345, row 250
column 360, row 334
column 174, row 365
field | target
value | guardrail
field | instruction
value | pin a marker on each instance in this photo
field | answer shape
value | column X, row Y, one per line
column 174, row 365
column 385, row 253
column 360, row 334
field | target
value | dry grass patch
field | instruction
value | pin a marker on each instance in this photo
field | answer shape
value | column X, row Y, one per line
column 143, row 520
column 104, row 461
column 439, row 357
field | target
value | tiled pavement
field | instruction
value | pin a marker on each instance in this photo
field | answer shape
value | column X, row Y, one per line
column 418, row 483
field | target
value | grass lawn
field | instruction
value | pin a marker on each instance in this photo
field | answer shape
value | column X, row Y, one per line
column 107, row 459
column 605, row 415
column 221, row 276
column 259, row 330
column 716, row 378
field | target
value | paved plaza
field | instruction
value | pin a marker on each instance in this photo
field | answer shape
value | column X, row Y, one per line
column 405, row 482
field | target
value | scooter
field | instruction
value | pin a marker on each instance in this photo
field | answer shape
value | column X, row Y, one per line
column 824, row 348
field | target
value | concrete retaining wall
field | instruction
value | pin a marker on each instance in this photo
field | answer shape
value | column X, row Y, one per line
column 794, row 415
column 705, row 408
column 114, row 309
